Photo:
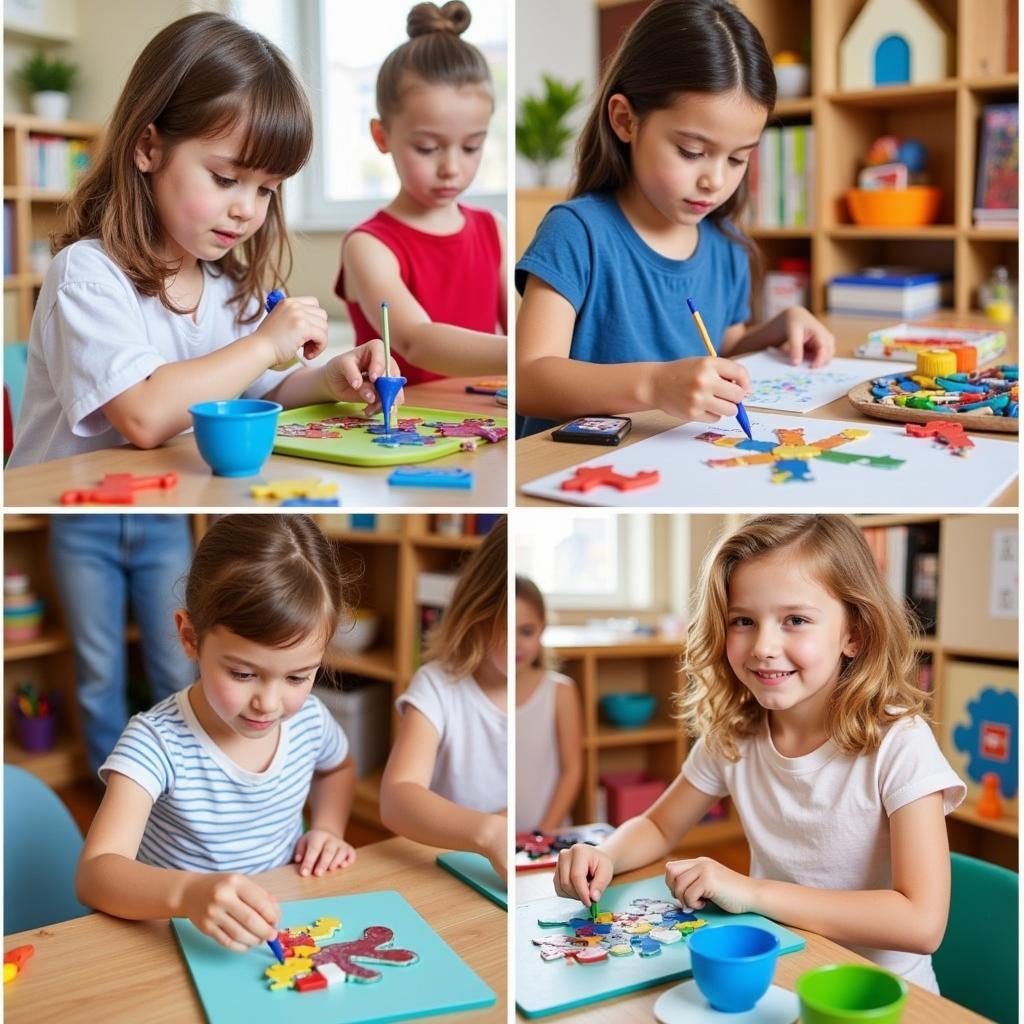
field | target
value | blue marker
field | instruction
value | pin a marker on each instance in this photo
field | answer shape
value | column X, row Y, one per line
column 275, row 945
column 741, row 413
column 273, row 299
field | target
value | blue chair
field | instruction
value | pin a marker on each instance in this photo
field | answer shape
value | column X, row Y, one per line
column 976, row 965
column 41, row 848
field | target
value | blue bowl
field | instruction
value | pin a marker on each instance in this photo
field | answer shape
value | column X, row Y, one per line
column 235, row 437
column 628, row 710
column 733, row 965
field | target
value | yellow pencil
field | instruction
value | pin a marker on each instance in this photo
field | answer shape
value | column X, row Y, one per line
column 741, row 413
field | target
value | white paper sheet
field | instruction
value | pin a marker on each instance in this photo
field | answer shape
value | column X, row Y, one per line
column 929, row 476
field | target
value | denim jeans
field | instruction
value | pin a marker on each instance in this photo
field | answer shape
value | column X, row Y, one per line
column 100, row 562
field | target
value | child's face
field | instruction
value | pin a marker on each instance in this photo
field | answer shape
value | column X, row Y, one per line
column 690, row 158
column 785, row 633
column 436, row 140
column 529, row 627
column 205, row 202
column 249, row 686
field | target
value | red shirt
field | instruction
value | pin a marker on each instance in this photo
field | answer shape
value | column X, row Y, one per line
column 455, row 278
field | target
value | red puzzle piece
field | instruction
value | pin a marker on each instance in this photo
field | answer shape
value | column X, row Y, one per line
column 119, row 489
column 945, row 432
column 310, row 982
column 589, row 477
column 371, row 947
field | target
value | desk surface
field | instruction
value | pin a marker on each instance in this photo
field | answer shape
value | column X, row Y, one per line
column 358, row 486
column 102, row 968
column 538, row 455
column 922, row 1007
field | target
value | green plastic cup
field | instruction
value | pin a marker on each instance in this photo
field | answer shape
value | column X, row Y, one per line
column 843, row 993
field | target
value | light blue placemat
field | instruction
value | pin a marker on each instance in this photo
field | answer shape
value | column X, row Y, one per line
column 476, row 871
column 549, row 986
column 232, row 986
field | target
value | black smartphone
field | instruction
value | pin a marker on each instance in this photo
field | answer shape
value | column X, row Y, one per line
column 609, row 430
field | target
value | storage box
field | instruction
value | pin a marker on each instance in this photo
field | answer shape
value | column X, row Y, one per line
column 630, row 793
column 364, row 713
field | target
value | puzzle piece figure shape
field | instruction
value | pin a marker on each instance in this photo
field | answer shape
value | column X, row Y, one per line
column 591, row 956
column 371, row 948
column 312, row 431
column 309, row 487
column 586, row 478
column 119, row 489
column 284, row 975
column 469, row 429
column 397, row 438
column 945, row 432
column 324, row 927
column 413, row 476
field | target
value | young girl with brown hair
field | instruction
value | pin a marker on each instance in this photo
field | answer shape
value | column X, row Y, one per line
column 155, row 298
column 438, row 263
column 208, row 786
column 660, row 181
column 446, row 781
column 801, row 688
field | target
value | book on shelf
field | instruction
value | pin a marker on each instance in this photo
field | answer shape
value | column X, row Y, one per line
column 55, row 162
column 995, row 185
column 780, row 178
column 889, row 291
column 907, row 557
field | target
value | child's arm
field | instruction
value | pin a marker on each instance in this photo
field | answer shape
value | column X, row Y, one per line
column 323, row 847
column 569, row 727
column 551, row 385
column 410, row 808
column 795, row 331
column 503, row 291
column 372, row 276
column 584, row 871
column 911, row 916
column 156, row 409
column 230, row 908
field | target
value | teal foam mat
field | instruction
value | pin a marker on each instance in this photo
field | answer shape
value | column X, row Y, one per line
column 476, row 871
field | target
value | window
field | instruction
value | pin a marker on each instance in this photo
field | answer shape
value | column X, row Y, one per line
column 337, row 48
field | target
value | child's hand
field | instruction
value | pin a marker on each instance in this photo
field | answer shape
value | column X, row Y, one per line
column 231, row 909
column 350, row 377
column 583, row 873
column 320, row 851
column 702, row 388
column 693, row 882
column 494, row 844
column 806, row 338
column 295, row 322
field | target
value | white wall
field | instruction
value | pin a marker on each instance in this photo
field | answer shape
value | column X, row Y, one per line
column 557, row 37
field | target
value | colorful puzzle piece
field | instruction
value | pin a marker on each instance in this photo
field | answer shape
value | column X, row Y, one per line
column 309, row 487
column 373, row 947
column 119, row 489
column 947, row 433
column 586, row 478
column 314, row 431
column 413, row 476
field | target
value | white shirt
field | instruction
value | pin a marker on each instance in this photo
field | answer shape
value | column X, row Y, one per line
column 538, row 764
column 470, row 768
column 822, row 820
column 209, row 813
column 94, row 336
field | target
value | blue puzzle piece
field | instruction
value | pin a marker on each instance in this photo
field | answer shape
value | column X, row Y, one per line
column 645, row 946
column 757, row 446
column 677, row 917
column 601, row 929
column 400, row 437
column 796, row 468
column 309, row 502
column 413, row 476
column 576, row 923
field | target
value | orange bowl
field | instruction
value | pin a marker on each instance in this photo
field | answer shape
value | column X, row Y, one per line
column 894, row 207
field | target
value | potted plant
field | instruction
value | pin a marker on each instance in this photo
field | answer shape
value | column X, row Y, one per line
column 542, row 134
column 48, row 81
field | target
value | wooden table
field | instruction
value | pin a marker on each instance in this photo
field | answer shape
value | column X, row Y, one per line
column 922, row 1007
column 99, row 968
column 358, row 486
column 538, row 455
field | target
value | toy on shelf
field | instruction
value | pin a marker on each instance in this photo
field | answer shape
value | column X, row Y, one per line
column 894, row 42
column 990, row 804
column 792, row 75
column 23, row 610
column 35, row 718
column 997, row 297
column 119, row 489
column 893, row 187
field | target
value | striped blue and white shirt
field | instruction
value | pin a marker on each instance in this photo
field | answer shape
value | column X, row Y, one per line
column 210, row 814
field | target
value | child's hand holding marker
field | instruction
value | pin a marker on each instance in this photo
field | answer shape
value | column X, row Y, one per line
column 350, row 377
column 232, row 909
column 702, row 389
column 583, row 873
column 693, row 882
column 299, row 322
column 319, row 851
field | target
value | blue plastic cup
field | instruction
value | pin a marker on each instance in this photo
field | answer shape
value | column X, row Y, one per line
column 235, row 437
column 733, row 965
column 387, row 389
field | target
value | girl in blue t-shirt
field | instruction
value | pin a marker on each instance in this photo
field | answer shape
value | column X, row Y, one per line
column 207, row 788
column 659, row 182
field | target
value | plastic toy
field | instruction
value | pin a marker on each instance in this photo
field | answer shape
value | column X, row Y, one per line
column 310, row 487
column 990, row 805
column 15, row 960
column 586, row 478
column 119, row 489
column 373, row 947
column 412, row 476
column 945, row 432
column 235, row 437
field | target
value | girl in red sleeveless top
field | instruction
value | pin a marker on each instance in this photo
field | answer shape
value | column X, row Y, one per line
column 439, row 264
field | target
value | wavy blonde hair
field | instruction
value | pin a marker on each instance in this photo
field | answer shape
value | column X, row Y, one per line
column 876, row 686
column 477, row 612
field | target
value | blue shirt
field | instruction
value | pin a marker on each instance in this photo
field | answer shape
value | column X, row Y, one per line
column 209, row 813
column 630, row 301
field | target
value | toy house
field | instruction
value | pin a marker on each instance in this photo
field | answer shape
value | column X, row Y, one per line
column 894, row 42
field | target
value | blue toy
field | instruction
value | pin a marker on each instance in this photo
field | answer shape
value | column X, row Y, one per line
column 413, row 476
column 387, row 389
column 990, row 738
column 309, row 502
column 914, row 154
column 235, row 436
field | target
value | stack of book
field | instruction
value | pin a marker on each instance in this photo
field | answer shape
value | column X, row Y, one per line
column 889, row 291
column 995, row 191
column 781, row 178
column 56, row 163
column 908, row 557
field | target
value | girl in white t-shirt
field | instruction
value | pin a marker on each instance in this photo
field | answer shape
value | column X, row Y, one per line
column 549, row 725
column 800, row 669
column 155, row 298
column 446, row 782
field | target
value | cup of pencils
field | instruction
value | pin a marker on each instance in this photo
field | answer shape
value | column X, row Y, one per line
column 35, row 717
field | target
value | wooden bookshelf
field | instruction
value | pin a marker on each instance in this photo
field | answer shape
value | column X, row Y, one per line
column 36, row 211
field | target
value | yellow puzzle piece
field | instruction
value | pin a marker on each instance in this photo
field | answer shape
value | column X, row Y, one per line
column 310, row 487
column 284, row 975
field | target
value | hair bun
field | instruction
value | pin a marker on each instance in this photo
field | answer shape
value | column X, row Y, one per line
column 425, row 18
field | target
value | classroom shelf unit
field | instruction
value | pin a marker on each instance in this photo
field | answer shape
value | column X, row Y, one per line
column 35, row 211
column 943, row 115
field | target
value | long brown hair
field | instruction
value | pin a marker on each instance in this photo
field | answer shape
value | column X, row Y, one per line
column 876, row 686
column 528, row 591
column 477, row 612
column 433, row 53
column 268, row 578
column 675, row 47
column 197, row 78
